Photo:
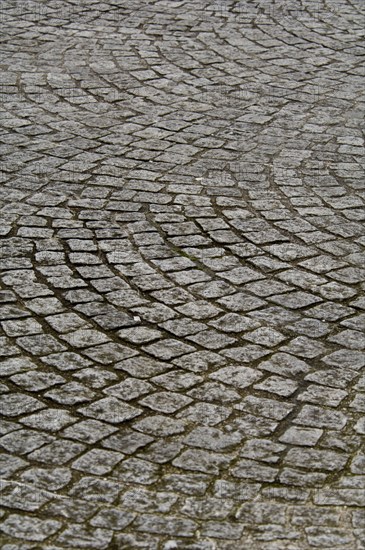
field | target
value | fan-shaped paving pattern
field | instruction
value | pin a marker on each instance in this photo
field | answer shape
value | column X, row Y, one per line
column 182, row 275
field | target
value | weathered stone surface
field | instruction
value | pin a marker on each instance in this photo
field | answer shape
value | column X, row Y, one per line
column 182, row 275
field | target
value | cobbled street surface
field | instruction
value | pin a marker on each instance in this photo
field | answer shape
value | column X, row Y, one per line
column 182, row 275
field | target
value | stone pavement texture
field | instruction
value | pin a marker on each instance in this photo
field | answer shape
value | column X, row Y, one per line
column 182, row 306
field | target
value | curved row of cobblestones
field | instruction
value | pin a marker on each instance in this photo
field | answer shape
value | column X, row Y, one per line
column 182, row 284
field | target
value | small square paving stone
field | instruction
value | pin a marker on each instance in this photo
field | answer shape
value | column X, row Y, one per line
column 96, row 489
column 319, row 417
column 13, row 365
column 304, row 347
column 295, row 300
column 265, row 336
column 51, row 479
column 19, row 403
column 160, row 426
column 351, row 359
column 176, row 380
column 142, row 367
column 202, row 461
column 205, row 414
column 97, row 461
column 127, row 441
column 24, row 441
column 109, row 353
column 165, row 402
column 51, row 420
column 75, row 534
column 40, row 344
column 65, row 322
column 328, row 537
column 322, row 395
column 112, row 518
column 36, row 381
column 58, row 452
column 143, row 500
column 241, row 302
column 88, row 431
column 135, row 470
column 200, row 309
column 268, row 408
column 241, row 275
column 111, row 410
column 30, row 528
column 212, row 339
column 212, row 439
column 168, row 349
column 139, row 335
column 169, row 525
column 353, row 339
column 278, row 385
column 314, row 459
column 96, row 378
column 249, row 469
column 71, row 393
column 199, row 361
column 131, row 388
column 307, row 437
column 84, row 338
column 21, row 327
column 246, row 354
column 232, row 322
column 67, row 360
column 239, row 377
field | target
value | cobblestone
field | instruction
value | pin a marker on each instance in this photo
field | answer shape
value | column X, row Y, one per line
column 182, row 275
